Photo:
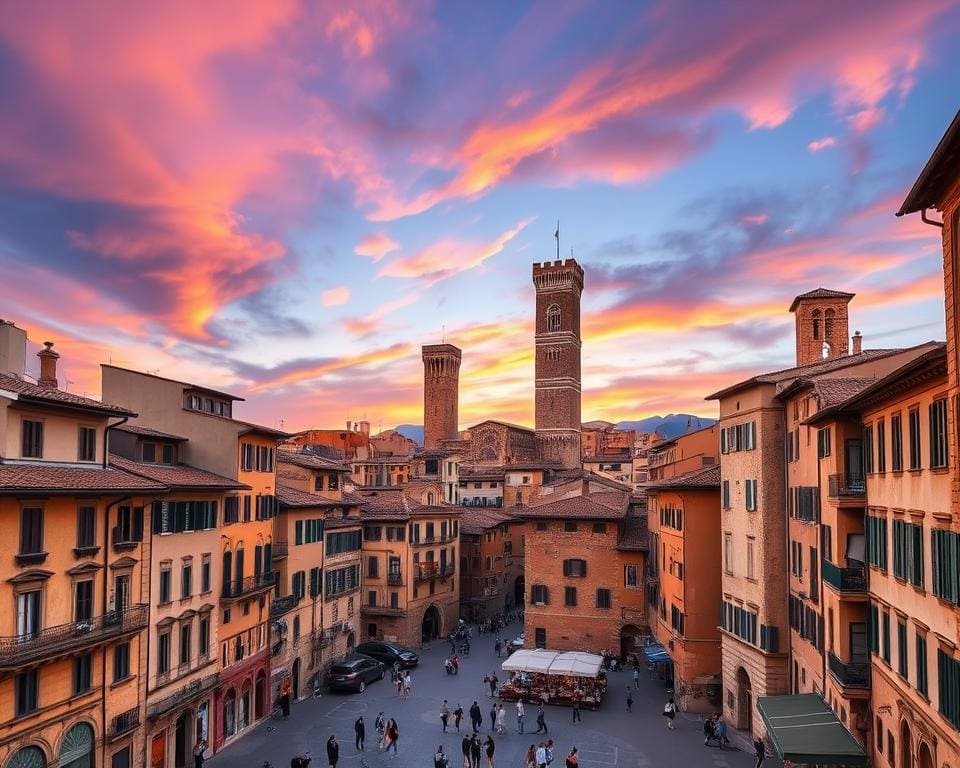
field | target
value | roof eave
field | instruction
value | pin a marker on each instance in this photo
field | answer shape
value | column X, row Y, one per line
column 919, row 197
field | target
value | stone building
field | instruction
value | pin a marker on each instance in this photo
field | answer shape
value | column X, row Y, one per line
column 682, row 454
column 824, row 313
column 441, row 391
column 491, row 563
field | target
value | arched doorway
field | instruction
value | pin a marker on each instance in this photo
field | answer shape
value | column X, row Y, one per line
column 906, row 746
column 182, row 748
column 76, row 749
column 230, row 713
column 295, row 680
column 243, row 710
column 260, row 699
column 432, row 624
column 518, row 592
column 925, row 757
column 351, row 642
column 744, row 701
column 629, row 645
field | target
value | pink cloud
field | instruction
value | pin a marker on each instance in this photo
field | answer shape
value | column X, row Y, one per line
column 817, row 144
column 758, row 218
column 376, row 246
column 335, row 296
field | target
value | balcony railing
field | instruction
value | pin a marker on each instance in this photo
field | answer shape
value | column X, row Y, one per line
column 248, row 585
column 847, row 486
column 64, row 638
column 174, row 700
column 447, row 570
column 853, row 579
column 395, row 579
column 426, row 541
column 279, row 550
column 496, row 502
column 282, row 605
column 428, row 570
column 324, row 637
column 849, row 674
column 382, row 610
column 124, row 723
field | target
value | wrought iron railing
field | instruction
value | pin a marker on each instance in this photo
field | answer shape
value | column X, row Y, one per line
column 175, row 699
column 851, row 579
column 395, row 579
column 240, row 587
column 849, row 674
column 279, row 550
column 33, row 646
column 124, row 723
column 847, row 486
column 282, row 605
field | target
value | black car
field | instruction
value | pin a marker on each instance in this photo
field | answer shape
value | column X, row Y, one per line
column 353, row 673
column 389, row 653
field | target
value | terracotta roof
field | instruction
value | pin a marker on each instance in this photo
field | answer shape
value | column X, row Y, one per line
column 309, row 461
column 502, row 424
column 704, row 477
column 635, row 535
column 814, row 369
column 136, row 429
column 46, row 479
column 343, row 522
column 294, row 497
column 35, row 393
column 829, row 391
column 599, row 506
column 178, row 475
column 478, row 519
column 939, row 172
column 382, row 504
column 820, row 293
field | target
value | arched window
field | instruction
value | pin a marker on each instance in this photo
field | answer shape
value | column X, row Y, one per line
column 28, row 757
column 430, row 499
column 816, row 323
column 828, row 324
column 76, row 750
column 553, row 318
column 243, row 718
column 230, row 713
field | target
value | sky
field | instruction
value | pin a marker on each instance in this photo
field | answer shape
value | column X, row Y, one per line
column 286, row 200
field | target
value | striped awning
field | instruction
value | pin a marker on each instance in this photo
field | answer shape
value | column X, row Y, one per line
column 656, row 654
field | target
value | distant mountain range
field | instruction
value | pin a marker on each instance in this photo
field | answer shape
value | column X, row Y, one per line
column 672, row 425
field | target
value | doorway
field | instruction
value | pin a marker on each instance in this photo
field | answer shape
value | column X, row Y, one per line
column 853, row 465
column 628, row 640
column 744, row 701
column 925, row 758
column 182, row 753
column 431, row 625
column 906, row 747
column 518, row 592
column 295, row 675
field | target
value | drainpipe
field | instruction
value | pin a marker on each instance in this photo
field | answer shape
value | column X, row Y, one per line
column 927, row 220
column 106, row 437
column 786, row 544
column 103, row 593
column 822, row 596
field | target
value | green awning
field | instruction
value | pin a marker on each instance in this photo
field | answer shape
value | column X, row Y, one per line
column 804, row 729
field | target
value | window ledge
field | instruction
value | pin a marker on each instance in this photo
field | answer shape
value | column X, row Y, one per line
column 90, row 551
column 31, row 558
column 121, row 681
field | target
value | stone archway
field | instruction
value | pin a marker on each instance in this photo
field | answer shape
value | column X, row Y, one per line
column 629, row 640
column 432, row 624
column 906, row 745
column 924, row 756
column 744, row 701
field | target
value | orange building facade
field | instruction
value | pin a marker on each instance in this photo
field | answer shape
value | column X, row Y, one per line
column 491, row 564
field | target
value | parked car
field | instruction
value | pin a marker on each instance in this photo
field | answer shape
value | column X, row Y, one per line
column 353, row 673
column 516, row 644
column 389, row 653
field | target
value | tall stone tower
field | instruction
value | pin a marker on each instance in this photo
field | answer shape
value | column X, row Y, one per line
column 441, row 393
column 823, row 328
column 559, row 285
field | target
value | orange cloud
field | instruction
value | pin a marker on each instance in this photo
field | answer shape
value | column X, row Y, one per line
column 376, row 246
column 335, row 296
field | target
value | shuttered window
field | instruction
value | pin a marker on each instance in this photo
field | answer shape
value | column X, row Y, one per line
column 948, row 687
column 938, row 434
column 921, row 664
column 877, row 542
column 943, row 558
column 908, row 552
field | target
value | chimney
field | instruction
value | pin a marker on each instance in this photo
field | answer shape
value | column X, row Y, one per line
column 349, row 426
column 13, row 349
column 48, row 366
column 857, row 343
column 365, row 427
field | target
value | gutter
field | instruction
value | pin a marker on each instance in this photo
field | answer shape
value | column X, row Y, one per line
column 926, row 220
column 106, row 437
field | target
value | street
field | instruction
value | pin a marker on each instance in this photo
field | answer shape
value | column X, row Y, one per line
column 608, row 738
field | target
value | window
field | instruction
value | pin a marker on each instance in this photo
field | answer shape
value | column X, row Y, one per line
column 896, row 443
column 129, row 527
column 186, row 580
column 740, row 437
column 574, row 567
column 944, row 546
column 343, row 541
column 885, row 636
column 741, row 622
column 877, row 542
column 676, row 620
column 86, row 444
column 868, row 449
column 203, row 639
column 318, row 483
column 298, row 585
column 83, row 601
column 726, row 494
column 751, row 495
column 372, row 567
column 569, row 526
column 921, row 664
column 603, row 597
column 342, row 580
column 902, row 665
column 908, row 552
column 881, row 446
column 948, row 676
column 539, row 594
column 629, row 575
column 816, row 324
column 553, row 318
column 186, row 647
column 823, row 443
column 873, row 629
column 541, row 525
column 82, row 673
column 167, row 453
column 27, row 692
column 205, row 574
column 570, row 597
column 32, row 442
column 31, row 531
column 828, row 323
column 164, row 584
column 914, row 419
column 148, row 453
column 163, row 653
column 938, row 434
column 751, row 541
column 728, row 552
column 86, row 527
column 814, row 575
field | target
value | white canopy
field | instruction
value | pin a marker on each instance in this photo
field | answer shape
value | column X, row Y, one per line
column 533, row 660
column 576, row 663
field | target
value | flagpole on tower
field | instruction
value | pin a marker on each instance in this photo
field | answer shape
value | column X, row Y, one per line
column 557, row 235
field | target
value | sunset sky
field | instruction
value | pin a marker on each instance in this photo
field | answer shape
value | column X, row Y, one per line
column 287, row 199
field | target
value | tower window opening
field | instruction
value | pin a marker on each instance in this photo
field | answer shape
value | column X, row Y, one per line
column 828, row 324
column 816, row 323
column 553, row 318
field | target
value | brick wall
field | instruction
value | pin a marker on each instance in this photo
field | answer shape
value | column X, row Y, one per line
column 809, row 348
column 441, row 387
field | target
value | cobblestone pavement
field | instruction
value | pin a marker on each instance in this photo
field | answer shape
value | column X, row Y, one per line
column 608, row 738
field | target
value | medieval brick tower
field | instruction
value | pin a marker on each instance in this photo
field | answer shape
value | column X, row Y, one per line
column 822, row 325
column 559, row 285
column 441, row 392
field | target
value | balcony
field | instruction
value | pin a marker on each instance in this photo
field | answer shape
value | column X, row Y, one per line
column 428, row 570
column 447, row 570
column 282, row 605
column 427, row 541
column 279, row 550
column 849, row 675
column 847, row 487
column 248, row 586
column 174, row 700
column 395, row 579
column 124, row 723
column 69, row 638
column 852, row 579
column 382, row 610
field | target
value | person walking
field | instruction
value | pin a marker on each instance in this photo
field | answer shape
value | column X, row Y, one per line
column 519, row 716
column 465, row 746
column 541, row 721
column 489, row 747
column 444, row 714
column 333, row 751
column 361, row 731
column 720, row 730
column 457, row 717
column 380, row 725
column 476, row 718
column 549, row 748
column 407, row 685
column 440, row 759
column 670, row 712
column 629, row 699
column 572, row 760
column 530, row 759
column 198, row 754
column 501, row 716
column 400, row 685
column 493, row 684
column 708, row 732
column 497, row 647
column 475, row 751
column 636, row 677
column 393, row 735
column 576, row 709
column 760, row 751
column 493, row 717
column 541, row 755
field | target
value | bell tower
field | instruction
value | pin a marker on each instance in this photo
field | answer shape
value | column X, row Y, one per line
column 823, row 326
column 441, row 393
column 559, row 285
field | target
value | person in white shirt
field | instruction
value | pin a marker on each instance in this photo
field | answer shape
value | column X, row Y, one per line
column 520, row 716
column 541, row 755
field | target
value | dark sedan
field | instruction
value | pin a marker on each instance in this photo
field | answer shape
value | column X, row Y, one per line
column 389, row 653
column 353, row 673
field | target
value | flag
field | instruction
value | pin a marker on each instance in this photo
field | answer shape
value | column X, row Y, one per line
column 557, row 233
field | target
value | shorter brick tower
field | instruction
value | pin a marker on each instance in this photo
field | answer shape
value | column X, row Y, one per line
column 441, row 393
column 822, row 325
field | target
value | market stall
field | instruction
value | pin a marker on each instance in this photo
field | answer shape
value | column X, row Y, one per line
column 557, row 678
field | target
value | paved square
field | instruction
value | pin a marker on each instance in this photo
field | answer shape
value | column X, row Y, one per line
column 608, row 738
